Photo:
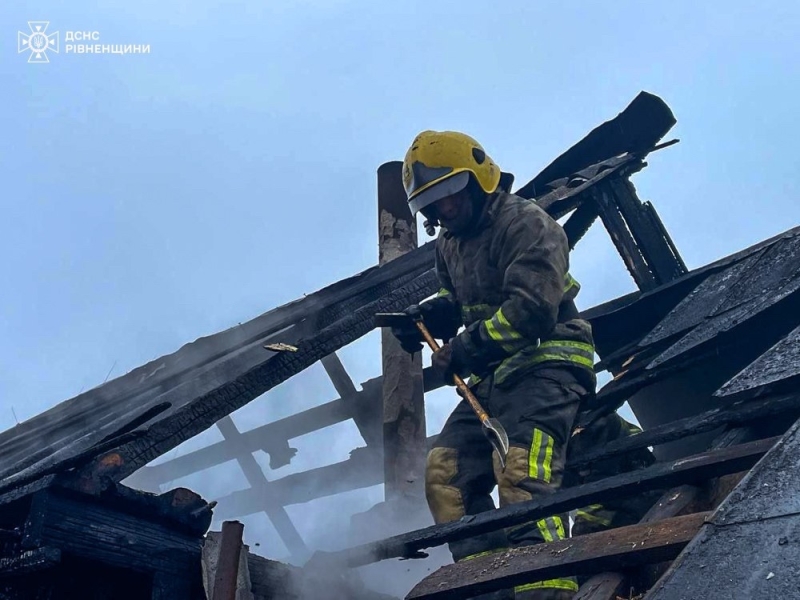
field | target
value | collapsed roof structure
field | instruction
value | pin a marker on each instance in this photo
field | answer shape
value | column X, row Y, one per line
column 708, row 360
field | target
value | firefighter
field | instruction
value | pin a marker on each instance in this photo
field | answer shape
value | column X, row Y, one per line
column 503, row 265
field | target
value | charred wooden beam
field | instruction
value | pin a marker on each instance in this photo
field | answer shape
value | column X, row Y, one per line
column 656, row 250
column 573, row 193
column 366, row 414
column 623, row 240
column 224, row 398
column 179, row 508
column 404, row 446
column 636, row 129
column 272, row 435
column 624, row 547
column 259, row 485
column 658, row 226
column 739, row 414
column 227, row 572
column 579, row 223
column 100, row 530
column 362, row 469
column 659, row 476
column 208, row 379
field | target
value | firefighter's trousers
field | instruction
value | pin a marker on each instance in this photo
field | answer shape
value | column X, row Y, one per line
column 537, row 413
column 613, row 513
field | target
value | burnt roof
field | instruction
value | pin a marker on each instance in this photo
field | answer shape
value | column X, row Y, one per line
column 761, row 519
column 677, row 320
column 177, row 391
column 155, row 407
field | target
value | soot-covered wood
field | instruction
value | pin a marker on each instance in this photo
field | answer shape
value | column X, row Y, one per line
column 623, row 547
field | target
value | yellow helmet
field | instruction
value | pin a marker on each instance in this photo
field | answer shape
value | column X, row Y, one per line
column 439, row 163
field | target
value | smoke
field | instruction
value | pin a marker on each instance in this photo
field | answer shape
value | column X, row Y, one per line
column 325, row 523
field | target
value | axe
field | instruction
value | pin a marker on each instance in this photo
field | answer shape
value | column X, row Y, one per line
column 492, row 428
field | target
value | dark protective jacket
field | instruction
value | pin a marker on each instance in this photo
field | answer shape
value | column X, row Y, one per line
column 509, row 278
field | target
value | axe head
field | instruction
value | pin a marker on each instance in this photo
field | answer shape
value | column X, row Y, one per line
column 393, row 320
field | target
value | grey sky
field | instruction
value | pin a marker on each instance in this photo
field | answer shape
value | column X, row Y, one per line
column 148, row 200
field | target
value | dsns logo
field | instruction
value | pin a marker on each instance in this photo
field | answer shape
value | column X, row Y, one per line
column 37, row 42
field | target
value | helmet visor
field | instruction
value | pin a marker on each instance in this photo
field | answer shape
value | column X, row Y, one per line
column 447, row 187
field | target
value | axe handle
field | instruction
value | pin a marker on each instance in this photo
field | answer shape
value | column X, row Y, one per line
column 460, row 384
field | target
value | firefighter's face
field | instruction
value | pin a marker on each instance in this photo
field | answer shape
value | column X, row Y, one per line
column 455, row 212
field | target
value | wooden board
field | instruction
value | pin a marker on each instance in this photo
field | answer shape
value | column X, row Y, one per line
column 619, row 548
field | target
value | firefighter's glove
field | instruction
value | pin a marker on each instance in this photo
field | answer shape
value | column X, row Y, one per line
column 450, row 360
column 409, row 337
column 441, row 316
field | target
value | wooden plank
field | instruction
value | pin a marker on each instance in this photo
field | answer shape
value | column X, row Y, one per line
column 651, row 213
column 227, row 571
column 265, row 437
column 272, row 437
column 579, row 222
column 362, row 469
column 341, row 381
column 737, row 414
column 403, row 397
column 603, row 585
column 88, row 529
column 655, row 249
column 365, row 414
column 606, row 586
column 659, row 476
column 621, row 236
column 259, row 485
column 566, row 198
column 624, row 547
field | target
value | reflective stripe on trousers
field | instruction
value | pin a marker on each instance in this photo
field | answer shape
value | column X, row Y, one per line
column 565, row 583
